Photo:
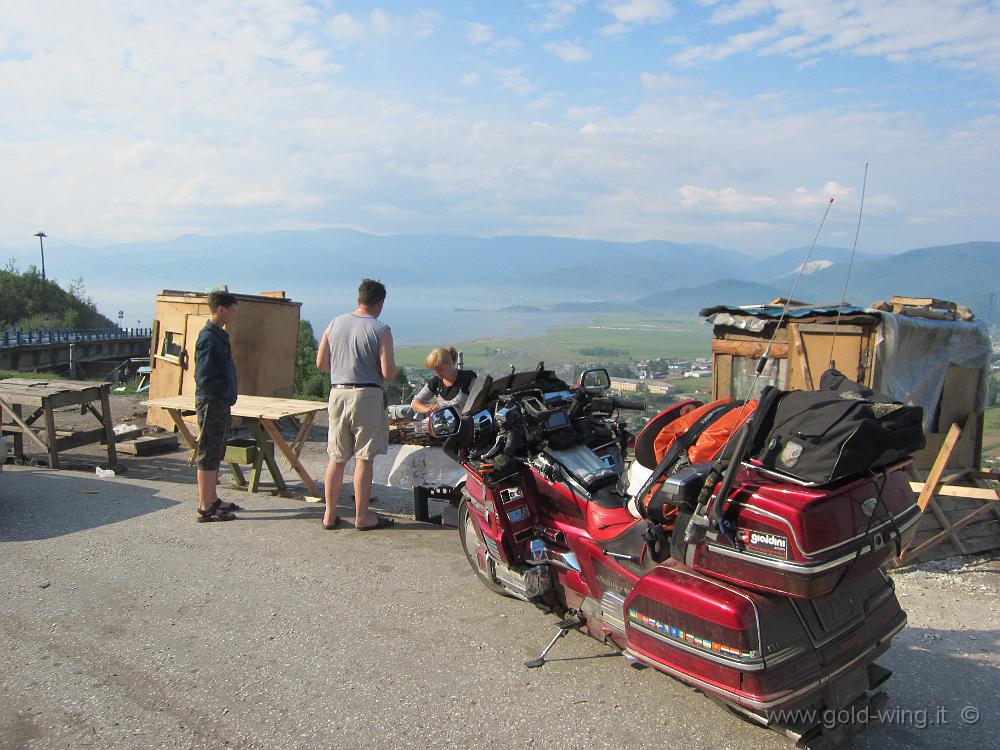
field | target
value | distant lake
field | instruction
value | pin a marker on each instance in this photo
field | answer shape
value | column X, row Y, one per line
column 436, row 317
column 418, row 316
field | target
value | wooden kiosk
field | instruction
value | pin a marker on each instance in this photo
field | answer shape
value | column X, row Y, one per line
column 920, row 351
column 264, row 340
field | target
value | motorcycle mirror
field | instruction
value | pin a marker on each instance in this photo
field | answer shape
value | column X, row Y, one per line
column 596, row 380
column 445, row 422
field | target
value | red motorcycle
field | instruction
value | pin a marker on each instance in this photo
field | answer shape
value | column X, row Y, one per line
column 762, row 591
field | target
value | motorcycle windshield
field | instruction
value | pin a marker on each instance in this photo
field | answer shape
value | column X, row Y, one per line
column 507, row 371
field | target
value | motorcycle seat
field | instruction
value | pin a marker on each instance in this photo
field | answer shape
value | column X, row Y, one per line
column 608, row 523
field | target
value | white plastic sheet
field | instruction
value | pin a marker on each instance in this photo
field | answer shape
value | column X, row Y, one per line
column 913, row 356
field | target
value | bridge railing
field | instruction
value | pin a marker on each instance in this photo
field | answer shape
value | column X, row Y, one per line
column 38, row 336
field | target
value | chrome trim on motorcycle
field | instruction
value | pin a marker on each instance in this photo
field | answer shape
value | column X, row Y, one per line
column 613, row 611
column 782, row 698
column 533, row 582
column 913, row 511
column 748, row 665
column 539, row 553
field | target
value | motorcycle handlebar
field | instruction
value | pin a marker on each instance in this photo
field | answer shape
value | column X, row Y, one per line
column 622, row 403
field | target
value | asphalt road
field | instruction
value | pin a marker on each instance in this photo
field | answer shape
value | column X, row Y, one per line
column 124, row 624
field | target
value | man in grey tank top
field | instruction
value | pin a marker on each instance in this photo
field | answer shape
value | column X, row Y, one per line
column 356, row 349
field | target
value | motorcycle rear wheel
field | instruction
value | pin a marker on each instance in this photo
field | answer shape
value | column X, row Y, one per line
column 470, row 541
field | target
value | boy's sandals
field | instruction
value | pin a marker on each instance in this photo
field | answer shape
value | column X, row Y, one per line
column 215, row 512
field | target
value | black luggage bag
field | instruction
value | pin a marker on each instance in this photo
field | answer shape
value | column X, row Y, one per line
column 838, row 431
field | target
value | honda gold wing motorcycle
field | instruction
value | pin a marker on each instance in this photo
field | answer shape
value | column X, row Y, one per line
column 753, row 576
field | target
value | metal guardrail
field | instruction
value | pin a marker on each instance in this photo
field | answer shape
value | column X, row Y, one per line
column 42, row 336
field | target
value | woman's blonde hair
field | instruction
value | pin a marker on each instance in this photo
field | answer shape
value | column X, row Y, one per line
column 441, row 356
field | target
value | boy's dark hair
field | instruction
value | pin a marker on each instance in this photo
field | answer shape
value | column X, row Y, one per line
column 371, row 292
column 220, row 299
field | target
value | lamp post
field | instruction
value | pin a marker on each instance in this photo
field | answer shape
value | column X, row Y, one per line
column 41, row 245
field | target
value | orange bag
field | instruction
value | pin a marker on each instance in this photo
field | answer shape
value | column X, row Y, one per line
column 706, row 446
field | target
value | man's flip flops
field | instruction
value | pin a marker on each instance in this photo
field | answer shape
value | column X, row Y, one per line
column 383, row 523
column 334, row 525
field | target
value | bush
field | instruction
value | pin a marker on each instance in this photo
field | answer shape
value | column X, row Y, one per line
column 27, row 300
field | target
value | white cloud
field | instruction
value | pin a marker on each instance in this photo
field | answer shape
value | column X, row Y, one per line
column 346, row 29
column 514, row 79
column 728, row 199
column 555, row 14
column 478, row 33
column 631, row 13
column 961, row 33
column 664, row 82
column 568, row 51
column 231, row 117
column 506, row 44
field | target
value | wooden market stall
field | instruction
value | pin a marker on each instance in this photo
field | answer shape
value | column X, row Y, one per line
column 921, row 351
column 264, row 340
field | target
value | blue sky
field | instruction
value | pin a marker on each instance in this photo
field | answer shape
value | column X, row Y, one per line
column 729, row 122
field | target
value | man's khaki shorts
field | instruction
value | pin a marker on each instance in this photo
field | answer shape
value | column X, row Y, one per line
column 359, row 425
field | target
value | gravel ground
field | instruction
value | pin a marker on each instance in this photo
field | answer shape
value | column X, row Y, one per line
column 124, row 624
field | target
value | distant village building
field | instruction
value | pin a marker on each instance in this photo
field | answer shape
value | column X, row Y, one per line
column 698, row 374
column 651, row 385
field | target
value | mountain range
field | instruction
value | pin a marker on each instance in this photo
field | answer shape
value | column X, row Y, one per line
column 546, row 272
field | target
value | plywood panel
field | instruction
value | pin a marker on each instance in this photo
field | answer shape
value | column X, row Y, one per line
column 816, row 346
column 264, row 339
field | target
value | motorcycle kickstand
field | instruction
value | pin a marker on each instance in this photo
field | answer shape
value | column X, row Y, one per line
column 564, row 628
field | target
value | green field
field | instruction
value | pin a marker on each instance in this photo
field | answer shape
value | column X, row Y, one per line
column 631, row 337
column 991, row 432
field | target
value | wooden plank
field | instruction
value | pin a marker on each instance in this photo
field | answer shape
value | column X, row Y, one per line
column 931, row 487
column 148, row 445
column 80, row 438
column 51, row 437
column 185, row 433
column 940, row 536
column 279, row 440
column 934, row 477
column 753, row 349
column 266, row 450
column 923, row 302
column 949, row 490
column 800, row 353
column 946, row 525
column 25, row 429
column 109, row 428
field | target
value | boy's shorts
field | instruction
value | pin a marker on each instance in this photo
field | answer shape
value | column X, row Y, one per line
column 213, row 419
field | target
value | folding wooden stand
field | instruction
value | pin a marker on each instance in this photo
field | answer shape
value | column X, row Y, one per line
column 262, row 415
column 961, row 511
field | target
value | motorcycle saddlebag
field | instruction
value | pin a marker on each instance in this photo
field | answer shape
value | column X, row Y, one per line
column 840, row 430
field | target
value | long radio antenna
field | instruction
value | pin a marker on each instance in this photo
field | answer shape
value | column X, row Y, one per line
column 850, row 268
column 765, row 357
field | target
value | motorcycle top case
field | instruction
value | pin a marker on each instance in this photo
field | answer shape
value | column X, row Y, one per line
column 805, row 541
column 838, row 431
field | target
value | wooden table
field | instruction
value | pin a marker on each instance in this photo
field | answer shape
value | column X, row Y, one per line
column 46, row 396
column 262, row 413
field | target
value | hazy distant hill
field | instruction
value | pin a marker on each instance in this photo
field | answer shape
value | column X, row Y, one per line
column 965, row 273
column 722, row 291
column 304, row 259
column 320, row 267
column 787, row 262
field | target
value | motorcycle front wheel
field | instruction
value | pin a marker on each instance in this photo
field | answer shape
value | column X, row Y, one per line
column 470, row 541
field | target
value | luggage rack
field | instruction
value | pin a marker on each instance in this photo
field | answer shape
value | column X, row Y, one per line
column 781, row 476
